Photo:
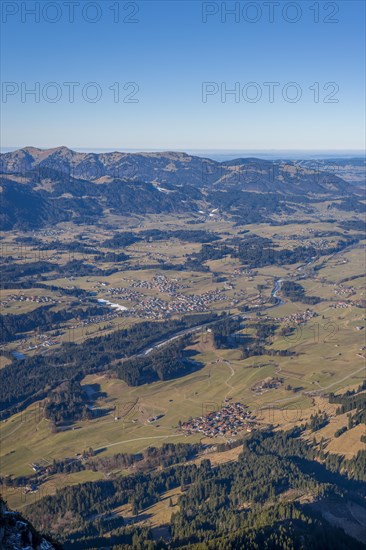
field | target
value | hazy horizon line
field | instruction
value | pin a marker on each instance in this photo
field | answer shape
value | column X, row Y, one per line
column 273, row 153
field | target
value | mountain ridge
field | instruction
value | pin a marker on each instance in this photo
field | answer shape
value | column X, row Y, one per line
column 150, row 166
column 41, row 187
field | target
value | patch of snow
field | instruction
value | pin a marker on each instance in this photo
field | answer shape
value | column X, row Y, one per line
column 118, row 307
column 161, row 189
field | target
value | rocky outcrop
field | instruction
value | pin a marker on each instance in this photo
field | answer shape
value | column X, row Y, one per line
column 17, row 534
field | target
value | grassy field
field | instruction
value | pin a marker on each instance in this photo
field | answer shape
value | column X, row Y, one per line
column 328, row 348
column 27, row 437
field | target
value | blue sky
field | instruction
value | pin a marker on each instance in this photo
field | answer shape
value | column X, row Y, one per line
column 168, row 54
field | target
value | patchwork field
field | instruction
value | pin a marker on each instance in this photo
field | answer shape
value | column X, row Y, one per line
column 326, row 351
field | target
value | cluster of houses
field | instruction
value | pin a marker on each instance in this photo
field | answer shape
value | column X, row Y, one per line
column 96, row 320
column 258, row 301
column 341, row 305
column 232, row 419
column 39, row 468
column 99, row 284
column 155, row 307
column 183, row 303
column 46, row 344
column 319, row 244
column 341, row 290
column 24, row 298
column 36, row 341
column 298, row 318
column 125, row 293
column 51, row 232
column 267, row 384
column 46, row 467
column 161, row 283
column 240, row 271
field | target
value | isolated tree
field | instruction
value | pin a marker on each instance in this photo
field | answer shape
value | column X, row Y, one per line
column 350, row 421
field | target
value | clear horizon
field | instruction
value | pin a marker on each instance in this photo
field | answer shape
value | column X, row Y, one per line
column 220, row 154
column 223, row 154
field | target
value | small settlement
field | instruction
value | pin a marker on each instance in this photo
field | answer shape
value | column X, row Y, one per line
column 230, row 421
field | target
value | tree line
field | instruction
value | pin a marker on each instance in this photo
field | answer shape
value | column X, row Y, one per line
column 221, row 506
column 26, row 381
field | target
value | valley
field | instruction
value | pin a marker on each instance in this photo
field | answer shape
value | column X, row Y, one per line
column 118, row 335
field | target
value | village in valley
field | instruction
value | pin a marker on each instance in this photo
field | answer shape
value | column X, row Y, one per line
column 230, row 420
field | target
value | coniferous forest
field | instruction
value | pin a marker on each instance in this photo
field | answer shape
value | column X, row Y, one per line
column 270, row 498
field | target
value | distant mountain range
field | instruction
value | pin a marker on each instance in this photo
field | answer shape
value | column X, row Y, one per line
column 46, row 186
column 352, row 170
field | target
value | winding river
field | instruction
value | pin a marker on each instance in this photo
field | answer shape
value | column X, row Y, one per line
column 276, row 289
